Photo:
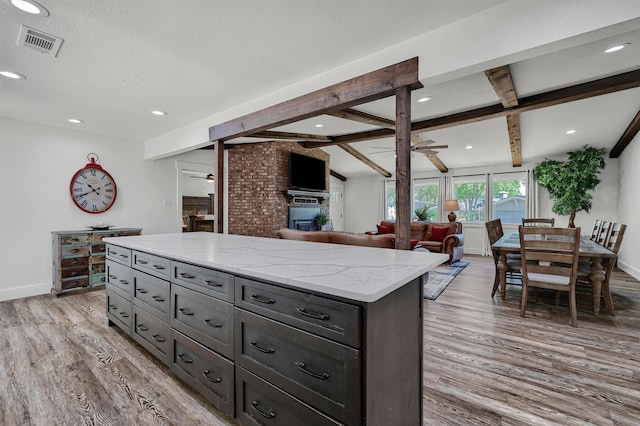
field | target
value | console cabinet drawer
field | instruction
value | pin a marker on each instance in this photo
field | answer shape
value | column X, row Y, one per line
column 207, row 372
column 323, row 373
column 78, row 239
column 153, row 334
column 205, row 319
column 152, row 294
column 120, row 278
column 214, row 283
column 328, row 318
column 69, row 251
column 69, row 283
column 74, row 262
column 259, row 403
column 119, row 254
column 119, row 311
column 151, row 264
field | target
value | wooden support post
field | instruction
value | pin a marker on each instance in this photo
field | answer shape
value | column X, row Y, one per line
column 403, row 168
column 218, row 202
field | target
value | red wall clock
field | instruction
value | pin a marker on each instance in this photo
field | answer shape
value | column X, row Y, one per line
column 92, row 188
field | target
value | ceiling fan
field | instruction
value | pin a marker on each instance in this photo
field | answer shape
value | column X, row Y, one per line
column 209, row 178
column 424, row 147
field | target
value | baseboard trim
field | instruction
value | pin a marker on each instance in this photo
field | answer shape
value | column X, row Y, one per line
column 24, row 291
column 635, row 273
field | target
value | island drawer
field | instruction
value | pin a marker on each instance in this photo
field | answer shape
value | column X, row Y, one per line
column 151, row 264
column 207, row 372
column 214, row 283
column 328, row 318
column 323, row 373
column 153, row 334
column 259, row 403
column 203, row 318
column 119, row 254
column 119, row 311
column 152, row 294
column 120, row 278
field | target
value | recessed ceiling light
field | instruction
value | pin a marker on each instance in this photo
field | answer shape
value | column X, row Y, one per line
column 468, row 147
column 571, row 131
column 616, row 48
column 13, row 75
column 30, row 7
column 75, row 121
column 158, row 112
column 425, row 99
column 319, row 125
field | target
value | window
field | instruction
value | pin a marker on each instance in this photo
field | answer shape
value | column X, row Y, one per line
column 390, row 200
column 471, row 193
column 425, row 199
column 509, row 197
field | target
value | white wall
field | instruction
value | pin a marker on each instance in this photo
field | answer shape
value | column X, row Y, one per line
column 36, row 166
column 629, row 208
column 363, row 204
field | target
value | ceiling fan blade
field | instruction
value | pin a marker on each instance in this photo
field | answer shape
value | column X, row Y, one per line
column 432, row 147
column 427, row 142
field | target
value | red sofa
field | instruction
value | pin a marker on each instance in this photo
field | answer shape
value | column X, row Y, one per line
column 436, row 237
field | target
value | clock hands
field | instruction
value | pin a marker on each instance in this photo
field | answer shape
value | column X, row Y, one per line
column 92, row 189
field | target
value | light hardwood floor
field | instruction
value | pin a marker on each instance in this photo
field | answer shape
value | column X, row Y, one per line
column 61, row 365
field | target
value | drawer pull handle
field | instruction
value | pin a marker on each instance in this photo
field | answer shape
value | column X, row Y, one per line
column 142, row 262
column 185, row 311
column 75, row 262
column 261, row 299
column 187, row 276
column 212, row 324
column 261, row 349
column 158, row 298
column 160, row 267
column 125, row 282
column 124, row 315
column 315, row 315
column 323, row 376
column 157, row 338
column 142, row 327
column 75, row 240
column 269, row 415
column 184, row 359
column 124, row 256
column 112, row 277
column 113, row 307
column 141, row 290
column 205, row 373
column 75, row 251
column 212, row 283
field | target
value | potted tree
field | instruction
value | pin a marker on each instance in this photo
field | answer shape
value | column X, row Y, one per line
column 568, row 182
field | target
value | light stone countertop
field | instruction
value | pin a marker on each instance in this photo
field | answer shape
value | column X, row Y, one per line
column 363, row 274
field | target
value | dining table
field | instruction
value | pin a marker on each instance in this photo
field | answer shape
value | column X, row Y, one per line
column 598, row 256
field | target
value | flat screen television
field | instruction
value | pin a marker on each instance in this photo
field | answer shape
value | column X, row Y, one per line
column 306, row 173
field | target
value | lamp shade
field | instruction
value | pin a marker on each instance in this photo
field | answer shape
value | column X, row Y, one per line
column 451, row 205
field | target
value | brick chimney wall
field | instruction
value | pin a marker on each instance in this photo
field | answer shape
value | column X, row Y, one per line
column 258, row 180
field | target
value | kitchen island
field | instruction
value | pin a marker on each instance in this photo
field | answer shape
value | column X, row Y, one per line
column 286, row 332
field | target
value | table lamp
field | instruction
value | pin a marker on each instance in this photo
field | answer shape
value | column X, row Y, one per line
column 452, row 205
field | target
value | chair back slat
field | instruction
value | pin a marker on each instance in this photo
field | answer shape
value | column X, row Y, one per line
column 494, row 230
column 538, row 221
column 597, row 224
column 614, row 239
column 604, row 233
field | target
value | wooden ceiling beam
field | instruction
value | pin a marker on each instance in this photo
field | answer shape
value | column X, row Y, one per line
column 360, row 156
column 513, row 126
column 365, row 88
column 628, row 135
column 500, row 79
column 270, row 134
column 364, row 117
column 628, row 80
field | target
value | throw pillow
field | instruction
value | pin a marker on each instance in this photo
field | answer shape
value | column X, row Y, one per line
column 383, row 229
column 438, row 233
column 413, row 244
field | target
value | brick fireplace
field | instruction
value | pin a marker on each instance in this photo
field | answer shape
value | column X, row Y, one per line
column 258, row 180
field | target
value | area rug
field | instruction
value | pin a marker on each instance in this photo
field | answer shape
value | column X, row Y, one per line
column 440, row 277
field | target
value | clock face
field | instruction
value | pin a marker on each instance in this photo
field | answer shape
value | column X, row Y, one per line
column 93, row 189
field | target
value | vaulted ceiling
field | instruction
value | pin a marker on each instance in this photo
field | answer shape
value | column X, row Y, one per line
column 197, row 59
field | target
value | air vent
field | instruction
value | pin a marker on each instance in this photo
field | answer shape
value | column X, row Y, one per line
column 39, row 41
column 305, row 201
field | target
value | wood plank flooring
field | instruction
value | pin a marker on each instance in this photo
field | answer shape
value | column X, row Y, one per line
column 60, row 364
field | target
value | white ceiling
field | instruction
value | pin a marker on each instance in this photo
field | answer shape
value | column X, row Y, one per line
column 122, row 58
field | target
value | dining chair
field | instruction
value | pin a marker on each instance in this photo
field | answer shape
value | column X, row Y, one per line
column 597, row 224
column 550, row 261
column 538, row 221
column 614, row 240
column 495, row 232
column 603, row 234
